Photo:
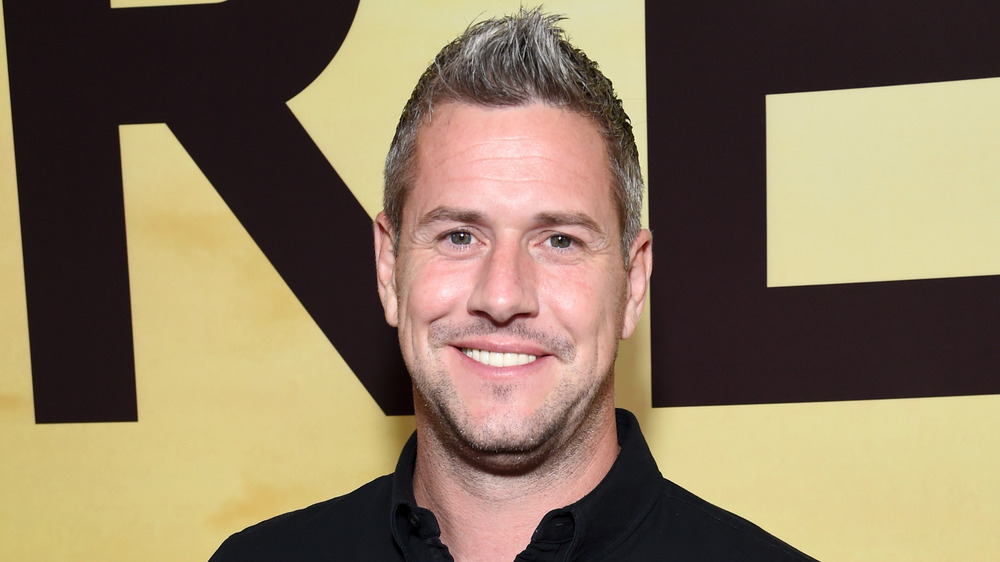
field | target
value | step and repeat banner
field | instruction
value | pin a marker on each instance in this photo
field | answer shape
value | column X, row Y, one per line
column 191, row 340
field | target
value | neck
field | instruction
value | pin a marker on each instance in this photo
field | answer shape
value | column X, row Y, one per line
column 487, row 514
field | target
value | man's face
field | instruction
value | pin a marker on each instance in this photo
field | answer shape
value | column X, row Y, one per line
column 509, row 288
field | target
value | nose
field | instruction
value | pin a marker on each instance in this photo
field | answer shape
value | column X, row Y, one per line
column 505, row 287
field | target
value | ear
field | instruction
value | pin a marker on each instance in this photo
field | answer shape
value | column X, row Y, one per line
column 640, row 267
column 385, row 268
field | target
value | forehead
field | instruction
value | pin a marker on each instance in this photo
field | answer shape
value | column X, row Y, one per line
column 536, row 154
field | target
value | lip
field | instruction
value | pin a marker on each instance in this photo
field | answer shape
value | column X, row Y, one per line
column 502, row 346
column 541, row 354
column 505, row 372
column 494, row 359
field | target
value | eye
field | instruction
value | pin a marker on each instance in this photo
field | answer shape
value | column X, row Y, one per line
column 460, row 238
column 560, row 241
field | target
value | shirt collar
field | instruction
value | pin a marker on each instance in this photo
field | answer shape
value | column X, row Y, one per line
column 612, row 510
column 413, row 528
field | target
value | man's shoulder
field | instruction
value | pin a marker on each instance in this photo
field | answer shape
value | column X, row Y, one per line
column 696, row 529
column 359, row 519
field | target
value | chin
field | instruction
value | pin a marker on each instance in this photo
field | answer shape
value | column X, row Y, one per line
column 504, row 428
column 508, row 440
column 506, row 436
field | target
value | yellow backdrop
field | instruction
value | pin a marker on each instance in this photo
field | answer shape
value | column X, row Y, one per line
column 246, row 410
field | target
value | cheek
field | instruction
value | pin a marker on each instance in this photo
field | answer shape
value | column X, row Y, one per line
column 585, row 302
column 431, row 291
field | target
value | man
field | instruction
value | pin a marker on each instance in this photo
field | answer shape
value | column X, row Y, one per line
column 511, row 260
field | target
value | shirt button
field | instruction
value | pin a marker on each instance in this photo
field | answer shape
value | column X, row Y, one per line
column 414, row 520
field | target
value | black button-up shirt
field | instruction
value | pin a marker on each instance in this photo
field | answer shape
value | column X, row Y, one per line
column 633, row 514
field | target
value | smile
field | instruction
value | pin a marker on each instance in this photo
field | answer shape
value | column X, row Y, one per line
column 497, row 359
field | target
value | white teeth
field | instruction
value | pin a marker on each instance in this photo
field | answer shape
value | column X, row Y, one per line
column 495, row 359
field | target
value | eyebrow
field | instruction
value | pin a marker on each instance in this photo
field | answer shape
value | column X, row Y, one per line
column 449, row 214
column 568, row 219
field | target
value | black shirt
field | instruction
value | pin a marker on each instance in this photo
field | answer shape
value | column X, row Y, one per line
column 633, row 514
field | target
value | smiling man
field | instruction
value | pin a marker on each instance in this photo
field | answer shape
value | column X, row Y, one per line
column 510, row 291
column 511, row 260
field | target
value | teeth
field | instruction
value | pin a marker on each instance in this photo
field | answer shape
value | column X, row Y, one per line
column 495, row 359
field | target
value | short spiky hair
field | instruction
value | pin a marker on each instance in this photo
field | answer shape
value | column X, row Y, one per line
column 514, row 61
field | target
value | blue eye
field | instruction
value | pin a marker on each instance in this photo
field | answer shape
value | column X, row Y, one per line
column 460, row 238
column 560, row 241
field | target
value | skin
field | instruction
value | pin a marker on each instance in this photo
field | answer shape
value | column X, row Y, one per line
column 510, row 242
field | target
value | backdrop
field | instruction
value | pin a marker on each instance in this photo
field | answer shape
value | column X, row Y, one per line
column 190, row 338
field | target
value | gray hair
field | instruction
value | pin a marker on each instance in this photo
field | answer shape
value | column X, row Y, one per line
column 509, row 62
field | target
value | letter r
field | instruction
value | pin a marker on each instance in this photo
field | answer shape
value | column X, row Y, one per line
column 219, row 76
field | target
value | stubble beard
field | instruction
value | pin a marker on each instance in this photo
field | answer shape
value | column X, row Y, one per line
column 508, row 441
